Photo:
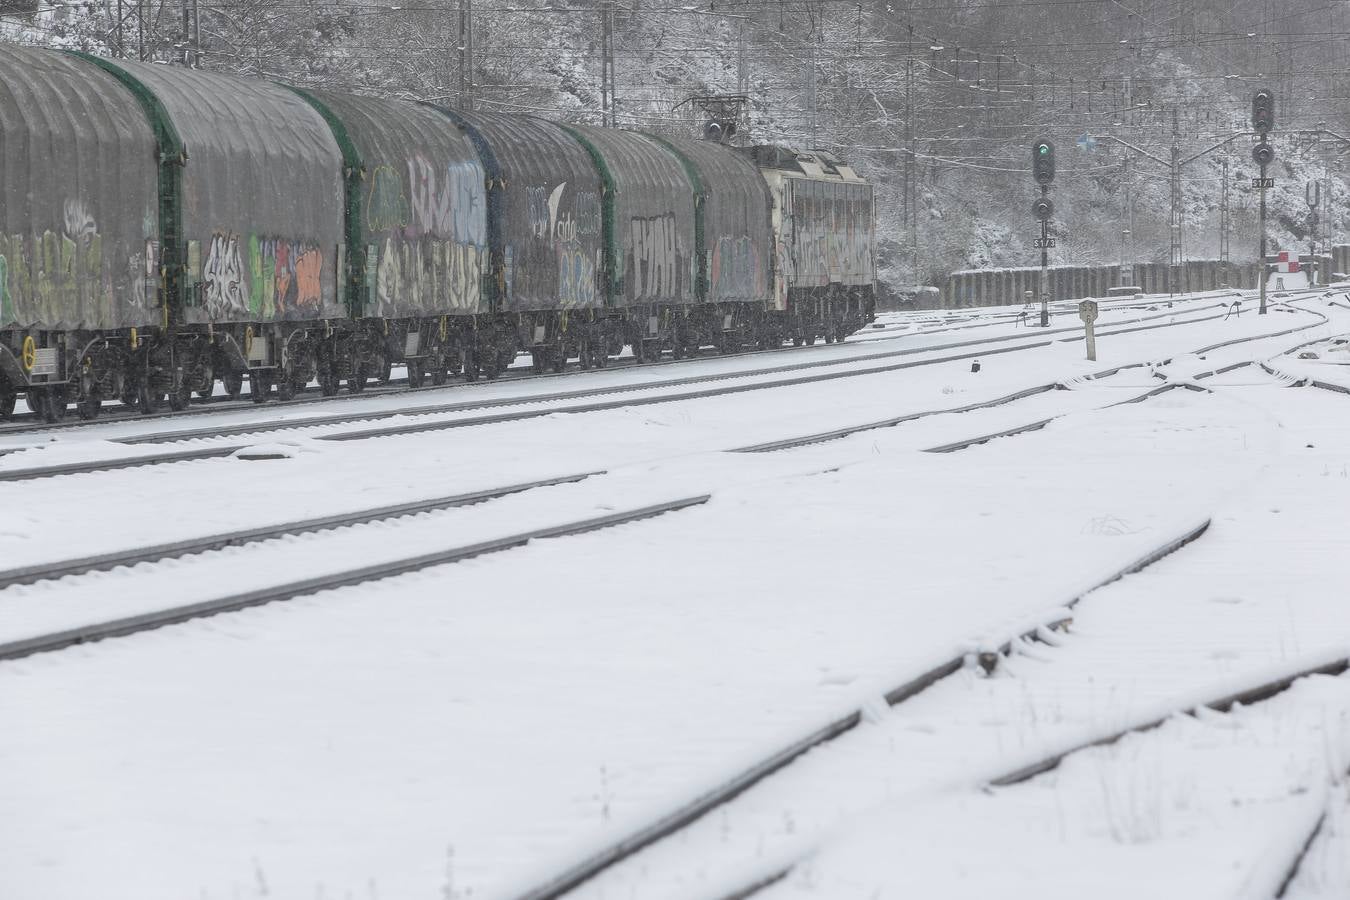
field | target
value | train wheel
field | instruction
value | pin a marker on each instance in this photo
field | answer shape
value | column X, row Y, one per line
column 286, row 387
column 558, row 360
column 356, row 382
column 89, row 405
column 7, row 400
column 209, row 379
column 328, row 379
column 148, row 400
column 492, row 364
column 180, row 397
column 538, row 361
column 259, row 385
column 385, row 369
column 417, row 373
column 53, row 404
column 233, row 383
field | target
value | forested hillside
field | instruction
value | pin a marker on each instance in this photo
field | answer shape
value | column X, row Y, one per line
column 960, row 89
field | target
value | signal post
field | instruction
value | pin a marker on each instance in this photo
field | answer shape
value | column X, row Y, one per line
column 1043, row 170
column 1263, row 120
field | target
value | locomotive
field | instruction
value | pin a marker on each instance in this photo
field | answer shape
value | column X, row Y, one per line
column 163, row 228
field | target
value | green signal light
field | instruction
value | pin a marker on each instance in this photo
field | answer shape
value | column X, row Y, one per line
column 1043, row 149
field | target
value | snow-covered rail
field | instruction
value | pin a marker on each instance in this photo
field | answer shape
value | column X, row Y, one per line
column 537, row 406
column 719, row 795
column 1264, row 690
column 129, row 625
column 104, row 562
column 966, row 443
column 21, row 424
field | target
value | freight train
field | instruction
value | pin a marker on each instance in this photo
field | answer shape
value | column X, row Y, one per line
column 162, row 229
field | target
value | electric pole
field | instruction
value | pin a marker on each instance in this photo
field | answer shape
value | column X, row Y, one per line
column 607, row 63
column 1174, row 257
column 466, row 54
column 742, row 70
column 911, row 163
column 1126, row 277
column 1225, row 217
column 811, row 88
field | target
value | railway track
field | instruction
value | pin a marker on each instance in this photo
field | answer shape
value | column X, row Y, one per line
column 334, row 419
column 1225, row 702
column 676, row 820
column 967, row 443
column 838, row 433
column 104, row 562
column 217, row 451
column 135, row 624
column 419, row 426
column 115, row 413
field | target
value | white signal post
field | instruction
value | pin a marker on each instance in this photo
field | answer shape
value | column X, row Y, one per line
column 1087, row 311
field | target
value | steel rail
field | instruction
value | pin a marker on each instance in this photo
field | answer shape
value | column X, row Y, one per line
column 103, row 562
column 838, row 433
column 219, row 404
column 440, row 425
column 719, row 795
column 464, row 406
column 1253, row 694
column 1305, row 847
column 520, row 415
column 1225, row 702
column 135, row 624
column 1038, row 425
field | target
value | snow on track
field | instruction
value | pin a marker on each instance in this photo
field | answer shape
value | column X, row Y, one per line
column 476, row 726
column 713, row 616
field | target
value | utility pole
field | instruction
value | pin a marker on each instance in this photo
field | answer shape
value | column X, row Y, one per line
column 1312, row 192
column 1225, row 218
column 742, row 70
column 121, row 47
column 192, row 35
column 466, row 54
column 1175, row 253
column 911, row 162
column 811, row 88
column 1126, row 276
column 607, row 63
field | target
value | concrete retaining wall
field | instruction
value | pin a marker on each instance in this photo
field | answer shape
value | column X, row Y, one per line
column 998, row 287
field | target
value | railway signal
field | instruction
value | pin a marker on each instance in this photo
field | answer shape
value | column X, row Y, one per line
column 1263, row 121
column 1043, row 162
column 1263, row 111
column 1043, row 170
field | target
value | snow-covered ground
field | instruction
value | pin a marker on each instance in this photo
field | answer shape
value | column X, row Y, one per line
column 470, row 729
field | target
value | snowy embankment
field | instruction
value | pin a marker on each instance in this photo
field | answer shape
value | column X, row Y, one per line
column 469, row 726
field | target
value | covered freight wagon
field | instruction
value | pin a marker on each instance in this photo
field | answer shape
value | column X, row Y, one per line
column 79, row 230
column 417, row 218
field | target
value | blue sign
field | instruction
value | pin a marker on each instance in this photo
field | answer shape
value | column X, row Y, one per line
column 1087, row 142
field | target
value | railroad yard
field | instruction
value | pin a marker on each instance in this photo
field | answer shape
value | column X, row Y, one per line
column 937, row 610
